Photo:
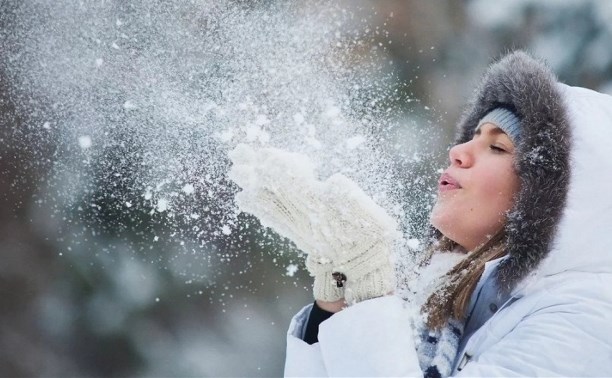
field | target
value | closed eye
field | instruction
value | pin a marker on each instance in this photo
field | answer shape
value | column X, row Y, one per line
column 497, row 149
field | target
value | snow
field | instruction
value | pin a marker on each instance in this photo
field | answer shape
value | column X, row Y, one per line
column 261, row 120
column 157, row 111
column 291, row 270
column 355, row 142
column 129, row 105
column 414, row 244
column 162, row 205
column 255, row 133
column 85, row 142
column 298, row 118
column 167, row 108
column 188, row 189
column 226, row 136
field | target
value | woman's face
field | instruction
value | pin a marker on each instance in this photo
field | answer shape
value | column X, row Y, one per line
column 477, row 190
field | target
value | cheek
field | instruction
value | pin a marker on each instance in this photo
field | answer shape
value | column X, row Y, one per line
column 498, row 191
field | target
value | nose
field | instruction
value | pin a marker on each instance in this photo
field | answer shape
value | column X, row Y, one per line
column 460, row 155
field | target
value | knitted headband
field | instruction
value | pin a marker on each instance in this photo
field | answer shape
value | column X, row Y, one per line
column 505, row 120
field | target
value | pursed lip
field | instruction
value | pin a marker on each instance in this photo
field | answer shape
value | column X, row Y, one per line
column 447, row 182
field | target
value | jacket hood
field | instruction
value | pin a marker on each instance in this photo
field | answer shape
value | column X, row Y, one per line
column 583, row 241
column 563, row 212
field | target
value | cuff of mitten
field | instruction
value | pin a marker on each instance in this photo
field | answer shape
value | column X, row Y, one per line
column 377, row 283
column 326, row 289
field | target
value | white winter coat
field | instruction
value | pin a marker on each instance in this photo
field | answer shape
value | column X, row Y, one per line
column 559, row 320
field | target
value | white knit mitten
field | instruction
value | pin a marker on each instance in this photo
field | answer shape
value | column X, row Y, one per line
column 347, row 237
column 359, row 236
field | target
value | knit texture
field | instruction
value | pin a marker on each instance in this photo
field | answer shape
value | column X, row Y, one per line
column 438, row 348
column 324, row 286
column 505, row 120
column 334, row 221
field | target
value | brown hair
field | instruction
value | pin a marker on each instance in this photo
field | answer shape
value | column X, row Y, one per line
column 452, row 298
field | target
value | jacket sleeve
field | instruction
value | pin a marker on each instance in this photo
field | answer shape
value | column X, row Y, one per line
column 315, row 318
column 371, row 338
column 302, row 359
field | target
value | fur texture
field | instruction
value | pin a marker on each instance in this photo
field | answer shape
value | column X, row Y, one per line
column 527, row 87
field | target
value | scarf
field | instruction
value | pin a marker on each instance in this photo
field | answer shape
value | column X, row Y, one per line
column 437, row 349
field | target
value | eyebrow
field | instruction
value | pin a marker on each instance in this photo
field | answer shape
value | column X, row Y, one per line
column 495, row 130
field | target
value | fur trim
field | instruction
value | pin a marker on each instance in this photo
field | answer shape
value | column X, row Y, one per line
column 529, row 88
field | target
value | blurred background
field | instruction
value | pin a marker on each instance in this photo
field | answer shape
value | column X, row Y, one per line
column 106, row 273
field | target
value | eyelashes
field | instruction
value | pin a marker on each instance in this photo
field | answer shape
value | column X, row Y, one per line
column 497, row 149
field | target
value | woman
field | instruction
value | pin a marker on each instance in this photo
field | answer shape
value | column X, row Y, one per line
column 526, row 201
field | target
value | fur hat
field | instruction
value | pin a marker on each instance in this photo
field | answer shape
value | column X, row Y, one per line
column 528, row 87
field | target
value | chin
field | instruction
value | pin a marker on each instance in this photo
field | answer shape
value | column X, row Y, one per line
column 445, row 227
column 440, row 219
